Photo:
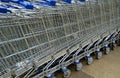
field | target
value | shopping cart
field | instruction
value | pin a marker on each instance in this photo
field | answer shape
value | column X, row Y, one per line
column 42, row 36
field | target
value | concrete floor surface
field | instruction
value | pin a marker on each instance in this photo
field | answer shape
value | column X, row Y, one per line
column 107, row 67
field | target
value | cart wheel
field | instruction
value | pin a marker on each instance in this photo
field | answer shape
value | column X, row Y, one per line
column 99, row 55
column 114, row 44
column 107, row 50
column 89, row 60
column 111, row 46
column 67, row 74
column 78, row 65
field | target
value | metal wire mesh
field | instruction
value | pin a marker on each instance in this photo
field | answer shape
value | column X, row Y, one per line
column 46, row 31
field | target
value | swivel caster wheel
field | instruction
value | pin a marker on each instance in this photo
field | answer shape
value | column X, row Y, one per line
column 99, row 55
column 114, row 44
column 78, row 65
column 89, row 60
column 111, row 46
column 107, row 49
column 66, row 72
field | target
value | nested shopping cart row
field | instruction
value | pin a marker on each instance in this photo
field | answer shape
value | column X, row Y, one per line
column 32, row 36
